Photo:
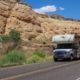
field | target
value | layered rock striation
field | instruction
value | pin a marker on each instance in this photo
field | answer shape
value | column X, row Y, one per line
column 20, row 16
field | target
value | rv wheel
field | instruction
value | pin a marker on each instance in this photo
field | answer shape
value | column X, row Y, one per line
column 71, row 57
column 78, row 57
column 55, row 59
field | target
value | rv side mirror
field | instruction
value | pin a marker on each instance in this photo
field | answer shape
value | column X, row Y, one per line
column 76, row 47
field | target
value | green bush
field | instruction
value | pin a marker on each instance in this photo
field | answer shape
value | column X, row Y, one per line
column 39, row 53
column 15, row 35
column 48, row 58
column 1, row 64
column 44, row 42
column 5, row 38
column 14, row 57
column 18, row 0
column 34, row 59
column 29, row 38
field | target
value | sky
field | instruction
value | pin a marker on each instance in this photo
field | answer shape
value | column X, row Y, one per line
column 65, row 8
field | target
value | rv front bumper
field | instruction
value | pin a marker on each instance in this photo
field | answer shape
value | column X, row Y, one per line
column 62, row 57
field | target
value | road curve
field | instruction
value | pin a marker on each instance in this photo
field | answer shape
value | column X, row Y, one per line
column 62, row 70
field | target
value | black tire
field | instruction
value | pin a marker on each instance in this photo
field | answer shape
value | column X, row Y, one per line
column 55, row 59
column 78, row 57
column 71, row 58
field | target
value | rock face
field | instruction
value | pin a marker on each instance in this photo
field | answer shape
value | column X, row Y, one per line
column 53, row 27
column 20, row 16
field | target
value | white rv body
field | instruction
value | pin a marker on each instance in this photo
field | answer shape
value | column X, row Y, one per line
column 67, row 46
column 67, row 38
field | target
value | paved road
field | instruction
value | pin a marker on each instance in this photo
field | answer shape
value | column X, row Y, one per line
column 62, row 70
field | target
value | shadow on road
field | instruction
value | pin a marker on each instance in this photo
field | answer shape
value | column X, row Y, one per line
column 65, row 60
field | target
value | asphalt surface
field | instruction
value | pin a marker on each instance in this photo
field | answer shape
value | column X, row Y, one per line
column 62, row 70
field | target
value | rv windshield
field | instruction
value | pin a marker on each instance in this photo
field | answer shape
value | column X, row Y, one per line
column 64, row 46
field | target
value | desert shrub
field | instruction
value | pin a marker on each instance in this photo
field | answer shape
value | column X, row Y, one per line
column 15, row 35
column 14, row 57
column 48, row 58
column 34, row 59
column 1, row 64
column 29, row 38
column 39, row 53
column 52, row 17
column 18, row 0
column 44, row 42
column 5, row 38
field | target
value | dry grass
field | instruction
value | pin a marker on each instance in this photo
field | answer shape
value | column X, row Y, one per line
column 1, row 56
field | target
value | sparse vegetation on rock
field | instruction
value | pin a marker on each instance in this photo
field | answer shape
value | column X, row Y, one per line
column 5, row 38
column 15, row 36
column 39, row 53
column 18, row 0
column 11, row 40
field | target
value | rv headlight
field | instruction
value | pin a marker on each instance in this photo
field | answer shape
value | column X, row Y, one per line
column 65, row 52
column 68, row 52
